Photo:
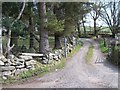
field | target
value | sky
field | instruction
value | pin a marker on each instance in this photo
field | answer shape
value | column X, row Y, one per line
column 89, row 21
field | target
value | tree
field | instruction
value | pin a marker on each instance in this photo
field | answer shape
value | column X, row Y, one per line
column 8, row 47
column 28, row 15
column 59, row 24
column 43, row 32
column 95, row 13
column 1, row 49
column 111, row 16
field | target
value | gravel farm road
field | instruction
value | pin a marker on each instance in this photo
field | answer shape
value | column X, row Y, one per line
column 78, row 74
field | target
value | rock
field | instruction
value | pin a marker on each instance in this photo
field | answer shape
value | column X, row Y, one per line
column 29, row 67
column 6, row 68
column 3, row 59
column 59, row 56
column 56, row 52
column 9, row 61
column 60, row 51
column 13, row 72
column 20, row 66
column 15, row 59
column 56, row 58
column 19, row 63
column 11, row 57
column 51, row 55
column 31, row 62
column 50, row 61
column 21, row 60
column 44, row 58
column 45, row 61
column 27, row 58
column 6, row 73
column 4, row 77
column 20, row 71
column 1, row 63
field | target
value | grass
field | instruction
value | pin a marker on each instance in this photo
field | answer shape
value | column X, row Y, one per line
column 41, row 69
column 89, row 54
column 102, row 47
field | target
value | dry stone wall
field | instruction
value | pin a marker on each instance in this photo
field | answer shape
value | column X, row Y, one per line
column 15, row 65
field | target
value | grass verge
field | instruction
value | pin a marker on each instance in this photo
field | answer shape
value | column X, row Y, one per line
column 89, row 54
column 102, row 47
column 42, row 69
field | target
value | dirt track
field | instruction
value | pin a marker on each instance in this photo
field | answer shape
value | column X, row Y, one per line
column 78, row 74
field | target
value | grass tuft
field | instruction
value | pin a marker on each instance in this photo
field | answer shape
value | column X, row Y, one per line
column 89, row 54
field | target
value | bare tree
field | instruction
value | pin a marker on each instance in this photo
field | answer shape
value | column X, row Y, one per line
column 8, row 48
column 111, row 16
column 95, row 13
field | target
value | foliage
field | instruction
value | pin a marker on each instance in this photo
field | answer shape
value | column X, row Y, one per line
column 114, row 57
column 54, row 25
column 17, row 28
column 102, row 47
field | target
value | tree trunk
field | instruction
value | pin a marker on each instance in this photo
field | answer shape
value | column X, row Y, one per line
column 7, row 53
column 44, row 43
column 113, row 34
column 78, row 27
column 84, row 28
column 57, row 41
column 14, row 39
column 31, row 30
column 95, row 31
column 104, row 41
column 1, row 50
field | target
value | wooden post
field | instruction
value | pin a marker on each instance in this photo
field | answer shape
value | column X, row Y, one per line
column 65, row 47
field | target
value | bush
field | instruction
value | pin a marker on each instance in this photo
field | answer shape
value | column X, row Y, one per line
column 114, row 57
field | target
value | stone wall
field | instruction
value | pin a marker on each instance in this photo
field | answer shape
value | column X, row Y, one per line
column 15, row 65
